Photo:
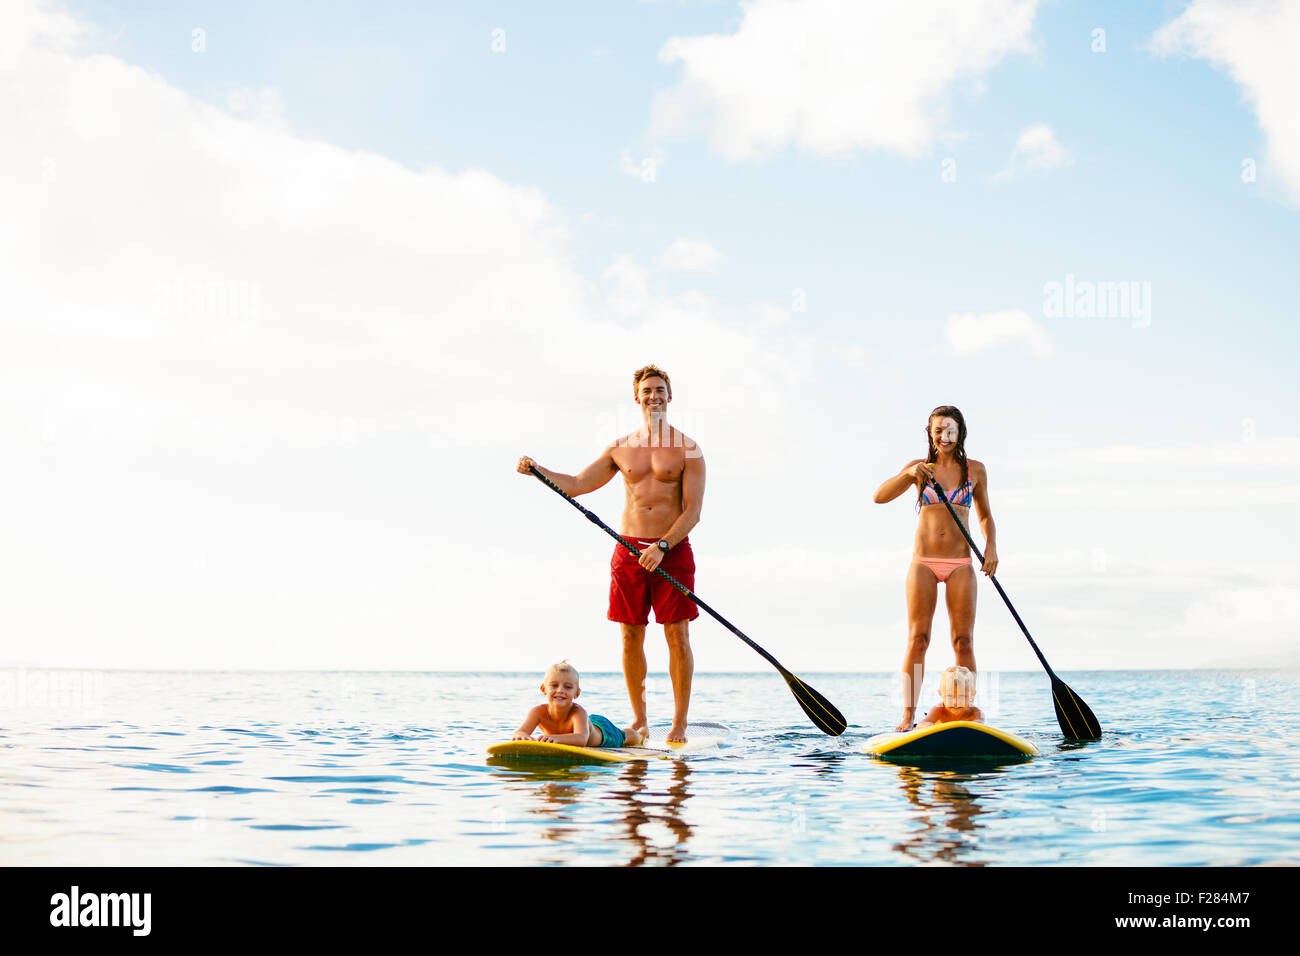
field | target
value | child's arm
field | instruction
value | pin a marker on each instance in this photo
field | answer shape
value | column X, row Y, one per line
column 525, row 731
column 935, row 716
column 576, row 737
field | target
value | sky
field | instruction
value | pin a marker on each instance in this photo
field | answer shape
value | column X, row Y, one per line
column 288, row 291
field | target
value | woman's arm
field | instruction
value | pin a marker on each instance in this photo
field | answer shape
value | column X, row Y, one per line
column 895, row 486
column 980, row 476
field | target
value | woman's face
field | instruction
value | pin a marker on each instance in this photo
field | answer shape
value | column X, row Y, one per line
column 943, row 432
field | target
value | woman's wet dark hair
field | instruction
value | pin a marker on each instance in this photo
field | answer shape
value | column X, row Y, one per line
column 953, row 412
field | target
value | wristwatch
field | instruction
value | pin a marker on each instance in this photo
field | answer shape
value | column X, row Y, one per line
column 663, row 546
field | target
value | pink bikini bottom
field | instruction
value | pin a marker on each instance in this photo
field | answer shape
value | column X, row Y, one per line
column 943, row 567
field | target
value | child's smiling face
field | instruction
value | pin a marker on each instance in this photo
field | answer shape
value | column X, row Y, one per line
column 957, row 689
column 955, row 697
column 561, row 688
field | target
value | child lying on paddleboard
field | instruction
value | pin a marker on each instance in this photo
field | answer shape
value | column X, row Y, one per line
column 563, row 721
column 957, row 688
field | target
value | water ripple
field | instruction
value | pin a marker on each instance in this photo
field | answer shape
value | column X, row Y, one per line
column 1193, row 770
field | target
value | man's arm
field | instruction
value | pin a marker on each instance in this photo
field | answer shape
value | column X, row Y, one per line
column 692, row 502
column 596, row 475
column 692, row 498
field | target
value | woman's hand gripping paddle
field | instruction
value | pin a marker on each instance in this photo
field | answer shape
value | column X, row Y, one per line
column 1075, row 717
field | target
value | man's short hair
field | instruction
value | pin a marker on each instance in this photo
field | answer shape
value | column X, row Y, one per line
column 649, row 371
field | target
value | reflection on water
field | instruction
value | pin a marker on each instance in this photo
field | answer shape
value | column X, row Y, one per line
column 648, row 820
column 390, row 769
column 946, row 792
column 944, row 828
column 653, row 821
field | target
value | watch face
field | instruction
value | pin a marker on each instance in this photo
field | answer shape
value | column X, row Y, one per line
column 663, row 546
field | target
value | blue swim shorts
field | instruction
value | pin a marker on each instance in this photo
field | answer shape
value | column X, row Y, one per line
column 611, row 736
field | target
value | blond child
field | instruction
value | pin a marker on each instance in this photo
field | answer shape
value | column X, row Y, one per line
column 957, row 688
column 564, row 721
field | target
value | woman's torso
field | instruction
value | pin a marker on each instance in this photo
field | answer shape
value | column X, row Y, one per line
column 936, row 535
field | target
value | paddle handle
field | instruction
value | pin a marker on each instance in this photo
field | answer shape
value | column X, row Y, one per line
column 671, row 580
column 974, row 547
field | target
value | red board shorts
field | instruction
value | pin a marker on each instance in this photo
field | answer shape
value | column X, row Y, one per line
column 633, row 590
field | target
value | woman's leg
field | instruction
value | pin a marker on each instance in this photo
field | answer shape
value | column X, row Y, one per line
column 922, row 594
column 960, row 596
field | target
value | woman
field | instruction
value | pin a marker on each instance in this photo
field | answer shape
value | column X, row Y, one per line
column 941, row 554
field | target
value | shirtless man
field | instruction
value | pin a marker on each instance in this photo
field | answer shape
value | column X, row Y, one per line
column 663, row 474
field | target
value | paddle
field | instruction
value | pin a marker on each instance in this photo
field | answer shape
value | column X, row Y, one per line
column 819, row 710
column 1075, row 717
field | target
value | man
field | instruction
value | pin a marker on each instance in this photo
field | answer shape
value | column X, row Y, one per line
column 663, row 471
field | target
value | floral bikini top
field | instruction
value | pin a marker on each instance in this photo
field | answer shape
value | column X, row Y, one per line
column 963, row 496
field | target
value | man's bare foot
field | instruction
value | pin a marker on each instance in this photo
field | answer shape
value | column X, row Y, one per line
column 632, row 737
column 909, row 714
column 641, row 730
column 677, row 734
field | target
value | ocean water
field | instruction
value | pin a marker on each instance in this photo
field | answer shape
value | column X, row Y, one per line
column 389, row 769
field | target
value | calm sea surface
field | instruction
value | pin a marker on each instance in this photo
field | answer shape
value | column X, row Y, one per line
column 126, row 768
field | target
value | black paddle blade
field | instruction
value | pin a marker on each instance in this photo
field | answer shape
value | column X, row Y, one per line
column 819, row 710
column 1075, row 717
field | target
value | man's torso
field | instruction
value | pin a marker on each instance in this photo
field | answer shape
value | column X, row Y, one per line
column 652, row 478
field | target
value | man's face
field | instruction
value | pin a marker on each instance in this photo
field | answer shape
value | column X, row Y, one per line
column 652, row 395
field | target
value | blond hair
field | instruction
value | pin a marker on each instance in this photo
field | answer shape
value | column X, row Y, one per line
column 957, row 677
column 564, row 667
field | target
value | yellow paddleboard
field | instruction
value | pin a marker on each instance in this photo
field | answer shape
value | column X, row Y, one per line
column 699, row 737
column 958, row 738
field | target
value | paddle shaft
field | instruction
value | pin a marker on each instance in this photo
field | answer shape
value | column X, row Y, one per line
column 974, row 547
column 671, row 580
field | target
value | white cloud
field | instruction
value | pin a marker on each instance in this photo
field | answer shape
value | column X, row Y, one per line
column 1278, row 455
column 265, row 106
column 628, row 293
column 1136, row 496
column 1202, row 476
column 645, row 169
column 1036, row 148
column 1255, row 43
column 276, row 381
column 32, row 25
column 1170, row 541
column 834, row 76
column 260, row 398
column 853, row 355
column 690, row 255
column 968, row 332
column 770, row 314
